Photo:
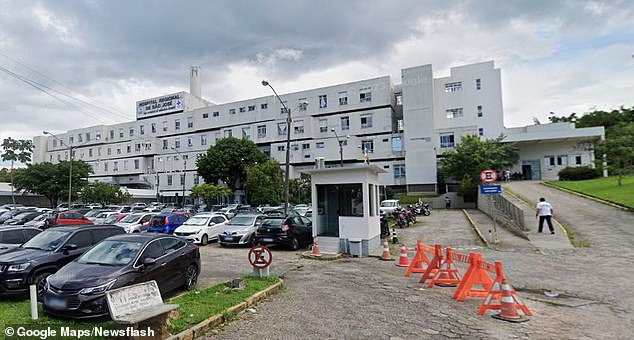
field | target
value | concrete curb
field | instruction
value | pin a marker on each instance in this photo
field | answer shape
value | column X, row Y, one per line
column 218, row 319
column 596, row 199
column 475, row 227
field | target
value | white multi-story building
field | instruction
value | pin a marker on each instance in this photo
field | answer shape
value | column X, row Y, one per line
column 403, row 128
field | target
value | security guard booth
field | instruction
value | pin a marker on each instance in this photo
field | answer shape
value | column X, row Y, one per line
column 346, row 208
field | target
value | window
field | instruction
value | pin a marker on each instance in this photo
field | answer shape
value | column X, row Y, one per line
column 348, row 201
column 190, row 122
column 549, row 160
column 177, row 124
column 54, row 143
column 87, row 136
column 261, row 131
column 203, row 139
column 154, row 250
column 282, row 107
column 125, row 165
column 118, row 151
column 169, row 180
column 190, row 142
column 480, row 131
column 479, row 110
column 323, row 125
column 345, row 123
column 478, row 84
column 264, row 106
column 205, row 115
column 246, row 132
column 89, row 152
column 365, row 95
column 299, row 127
column 111, row 134
column 232, row 111
column 182, row 179
column 399, row 171
column 562, row 160
column 216, row 136
column 319, row 145
column 215, row 113
column 142, row 129
column 71, row 140
column 453, row 87
column 323, row 101
column 294, row 147
column 399, row 99
column 454, row 113
column 80, row 137
column 81, row 239
column 164, row 125
column 243, row 109
column 447, row 140
column 131, row 132
column 305, row 146
column 366, row 121
column 577, row 160
column 397, row 145
column 136, row 164
column 367, row 145
column 165, row 144
column 177, row 143
column 228, row 133
column 196, row 179
column 109, row 151
column 281, row 148
column 99, row 151
column 343, row 98
column 137, row 147
column 128, row 148
column 281, row 129
column 98, row 136
column 105, row 167
column 115, row 166
column 302, row 104
column 251, row 107
column 120, row 134
column 153, row 127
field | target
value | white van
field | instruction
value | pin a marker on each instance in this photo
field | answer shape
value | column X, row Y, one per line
column 388, row 206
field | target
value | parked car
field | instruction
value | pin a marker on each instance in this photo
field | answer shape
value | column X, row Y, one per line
column 388, row 206
column 167, row 223
column 229, row 212
column 91, row 215
column 22, row 218
column 78, row 289
column 58, row 218
column 7, row 215
column 291, row 231
column 136, row 223
column 202, row 228
column 101, row 217
column 45, row 253
column 38, row 222
column 12, row 237
column 114, row 218
column 240, row 230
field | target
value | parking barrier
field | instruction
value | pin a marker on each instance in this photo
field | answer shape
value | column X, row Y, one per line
column 448, row 275
column 434, row 265
column 476, row 275
column 420, row 258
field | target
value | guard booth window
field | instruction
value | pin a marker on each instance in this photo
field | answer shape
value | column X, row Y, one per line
column 334, row 200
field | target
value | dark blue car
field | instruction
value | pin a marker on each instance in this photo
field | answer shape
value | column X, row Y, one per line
column 167, row 223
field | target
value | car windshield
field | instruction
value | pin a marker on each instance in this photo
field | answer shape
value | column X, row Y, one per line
column 103, row 215
column 6, row 214
column 22, row 215
column 241, row 220
column 197, row 220
column 131, row 218
column 41, row 218
column 92, row 213
column 111, row 253
column 388, row 204
column 111, row 219
column 47, row 240
column 272, row 222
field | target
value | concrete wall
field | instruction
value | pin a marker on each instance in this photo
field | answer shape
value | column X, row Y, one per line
column 508, row 211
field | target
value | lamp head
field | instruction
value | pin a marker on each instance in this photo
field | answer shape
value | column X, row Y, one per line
column 348, row 136
column 265, row 83
column 171, row 147
column 332, row 130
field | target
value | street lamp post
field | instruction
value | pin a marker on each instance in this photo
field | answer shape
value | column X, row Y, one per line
column 340, row 145
column 184, row 172
column 288, row 146
column 70, row 165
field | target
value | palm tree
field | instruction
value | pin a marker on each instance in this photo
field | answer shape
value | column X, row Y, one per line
column 16, row 150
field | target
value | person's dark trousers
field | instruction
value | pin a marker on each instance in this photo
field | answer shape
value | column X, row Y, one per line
column 548, row 220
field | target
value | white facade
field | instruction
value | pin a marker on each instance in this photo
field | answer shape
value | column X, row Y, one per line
column 404, row 127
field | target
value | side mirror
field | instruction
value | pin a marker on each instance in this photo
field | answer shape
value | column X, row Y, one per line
column 212, row 223
column 149, row 261
column 69, row 246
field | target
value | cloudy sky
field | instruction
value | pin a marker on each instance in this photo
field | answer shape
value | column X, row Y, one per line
column 97, row 58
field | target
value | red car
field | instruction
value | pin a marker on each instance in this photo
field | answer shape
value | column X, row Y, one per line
column 57, row 218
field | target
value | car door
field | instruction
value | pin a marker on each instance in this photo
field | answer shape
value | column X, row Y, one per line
column 144, row 222
column 301, row 229
column 82, row 239
column 308, row 227
column 155, row 272
column 175, row 260
column 216, row 225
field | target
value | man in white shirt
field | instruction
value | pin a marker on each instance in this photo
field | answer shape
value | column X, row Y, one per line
column 545, row 212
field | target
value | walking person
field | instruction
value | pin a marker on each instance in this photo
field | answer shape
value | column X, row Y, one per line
column 544, row 211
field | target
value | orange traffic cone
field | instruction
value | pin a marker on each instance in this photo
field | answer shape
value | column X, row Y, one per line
column 403, row 261
column 386, row 252
column 509, row 311
column 315, row 251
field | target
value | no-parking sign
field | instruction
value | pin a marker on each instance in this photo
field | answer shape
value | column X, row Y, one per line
column 488, row 176
column 260, row 257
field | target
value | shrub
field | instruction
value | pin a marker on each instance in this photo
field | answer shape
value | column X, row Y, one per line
column 578, row 173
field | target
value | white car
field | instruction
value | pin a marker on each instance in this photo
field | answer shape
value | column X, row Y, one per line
column 136, row 223
column 241, row 230
column 229, row 212
column 388, row 206
column 202, row 228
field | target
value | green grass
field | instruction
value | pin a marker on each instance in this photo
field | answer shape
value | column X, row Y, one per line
column 603, row 188
column 413, row 199
column 195, row 308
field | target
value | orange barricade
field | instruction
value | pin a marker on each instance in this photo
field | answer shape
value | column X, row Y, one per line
column 434, row 265
column 416, row 266
column 494, row 298
column 475, row 275
column 448, row 275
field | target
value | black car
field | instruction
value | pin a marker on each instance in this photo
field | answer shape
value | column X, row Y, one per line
column 78, row 289
column 45, row 253
column 12, row 237
column 13, row 213
column 22, row 218
column 292, row 231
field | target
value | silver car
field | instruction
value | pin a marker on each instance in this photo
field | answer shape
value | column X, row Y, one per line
column 240, row 230
column 136, row 223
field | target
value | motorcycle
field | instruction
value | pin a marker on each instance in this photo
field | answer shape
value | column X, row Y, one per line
column 385, row 228
column 401, row 218
column 423, row 209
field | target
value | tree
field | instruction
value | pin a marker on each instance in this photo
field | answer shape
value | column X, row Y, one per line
column 16, row 150
column 265, row 183
column 210, row 193
column 472, row 156
column 619, row 149
column 51, row 180
column 228, row 161
column 300, row 190
column 104, row 193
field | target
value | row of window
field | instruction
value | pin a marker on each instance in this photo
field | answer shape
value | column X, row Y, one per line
column 447, row 140
column 457, row 86
column 459, row 112
column 561, row 160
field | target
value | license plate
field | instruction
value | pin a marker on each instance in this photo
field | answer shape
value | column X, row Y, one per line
column 267, row 240
column 56, row 302
column 227, row 238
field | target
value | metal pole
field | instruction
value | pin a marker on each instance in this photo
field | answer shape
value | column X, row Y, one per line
column 288, row 157
column 184, row 178
column 70, row 175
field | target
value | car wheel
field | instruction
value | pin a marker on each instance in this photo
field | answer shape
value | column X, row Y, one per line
column 191, row 277
column 40, row 283
column 204, row 240
column 135, row 231
column 294, row 243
